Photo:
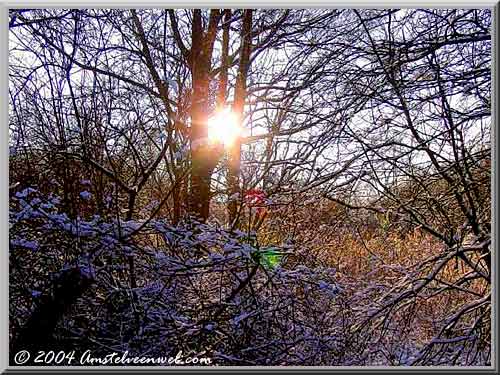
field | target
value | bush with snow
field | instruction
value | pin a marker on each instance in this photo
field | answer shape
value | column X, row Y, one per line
column 200, row 288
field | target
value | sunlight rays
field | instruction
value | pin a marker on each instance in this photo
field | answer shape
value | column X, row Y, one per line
column 224, row 127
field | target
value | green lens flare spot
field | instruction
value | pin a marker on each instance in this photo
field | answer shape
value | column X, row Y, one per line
column 270, row 257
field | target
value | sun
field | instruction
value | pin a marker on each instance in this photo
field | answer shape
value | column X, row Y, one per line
column 224, row 127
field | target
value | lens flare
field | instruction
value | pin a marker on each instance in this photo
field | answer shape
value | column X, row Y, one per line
column 224, row 127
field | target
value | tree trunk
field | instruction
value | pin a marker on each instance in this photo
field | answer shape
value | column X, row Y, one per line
column 222, row 89
column 239, row 102
column 201, row 158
